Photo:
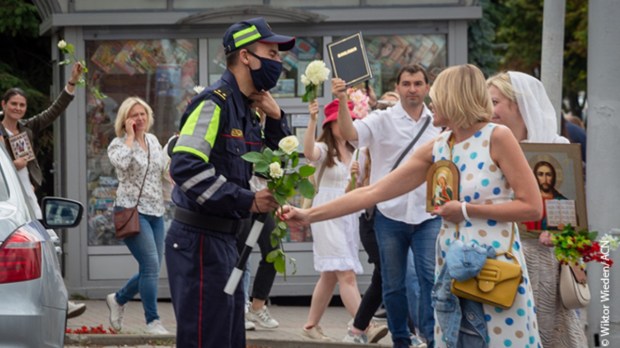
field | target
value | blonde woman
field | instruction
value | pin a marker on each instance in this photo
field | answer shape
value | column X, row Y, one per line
column 497, row 188
column 520, row 102
column 139, row 160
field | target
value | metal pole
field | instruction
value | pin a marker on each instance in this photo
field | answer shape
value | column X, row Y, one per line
column 602, row 189
column 552, row 60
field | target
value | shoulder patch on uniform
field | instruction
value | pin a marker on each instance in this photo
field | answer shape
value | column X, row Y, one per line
column 220, row 93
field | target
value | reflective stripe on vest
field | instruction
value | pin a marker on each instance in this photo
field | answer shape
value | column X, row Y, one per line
column 221, row 180
column 200, row 131
column 244, row 36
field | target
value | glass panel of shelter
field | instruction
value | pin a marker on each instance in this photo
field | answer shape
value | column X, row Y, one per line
column 164, row 72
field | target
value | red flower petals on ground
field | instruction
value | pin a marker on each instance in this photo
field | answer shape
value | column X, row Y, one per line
column 90, row 330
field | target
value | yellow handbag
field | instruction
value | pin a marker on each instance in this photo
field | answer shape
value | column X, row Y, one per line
column 496, row 284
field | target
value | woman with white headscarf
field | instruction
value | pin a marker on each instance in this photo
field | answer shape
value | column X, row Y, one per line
column 520, row 102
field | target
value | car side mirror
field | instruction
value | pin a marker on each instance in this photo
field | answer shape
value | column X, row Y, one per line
column 61, row 212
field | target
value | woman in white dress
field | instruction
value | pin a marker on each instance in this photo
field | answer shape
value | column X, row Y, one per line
column 520, row 103
column 496, row 190
column 335, row 242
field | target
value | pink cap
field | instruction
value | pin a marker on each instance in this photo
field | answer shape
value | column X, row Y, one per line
column 331, row 111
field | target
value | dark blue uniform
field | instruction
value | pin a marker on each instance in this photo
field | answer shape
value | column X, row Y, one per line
column 213, row 201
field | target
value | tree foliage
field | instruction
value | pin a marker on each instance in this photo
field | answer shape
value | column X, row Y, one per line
column 481, row 39
column 517, row 44
column 25, row 57
column 18, row 17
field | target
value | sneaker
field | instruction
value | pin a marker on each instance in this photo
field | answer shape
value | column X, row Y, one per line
column 315, row 333
column 75, row 309
column 156, row 328
column 376, row 332
column 116, row 312
column 261, row 317
column 416, row 342
column 249, row 326
column 353, row 338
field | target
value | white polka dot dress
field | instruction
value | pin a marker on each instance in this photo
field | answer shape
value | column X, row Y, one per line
column 482, row 182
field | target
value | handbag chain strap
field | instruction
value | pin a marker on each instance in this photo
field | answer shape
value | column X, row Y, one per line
column 507, row 253
column 148, row 162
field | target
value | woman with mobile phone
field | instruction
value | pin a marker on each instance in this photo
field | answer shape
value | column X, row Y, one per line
column 140, row 164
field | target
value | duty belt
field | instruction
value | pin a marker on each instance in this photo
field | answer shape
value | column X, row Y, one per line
column 208, row 222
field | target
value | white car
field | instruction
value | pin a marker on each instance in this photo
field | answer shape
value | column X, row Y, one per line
column 33, row 296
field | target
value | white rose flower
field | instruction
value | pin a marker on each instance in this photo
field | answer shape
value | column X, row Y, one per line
column 305, row 80
column 275, row 171
column 289, row 144
column 610, row 240
column 317, row 72
column 62, row 44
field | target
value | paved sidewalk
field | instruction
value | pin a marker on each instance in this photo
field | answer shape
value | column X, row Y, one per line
column 291, row 320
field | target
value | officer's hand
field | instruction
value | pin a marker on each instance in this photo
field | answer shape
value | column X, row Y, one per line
column 339, row 88
column 263, row 202
column 264, row 101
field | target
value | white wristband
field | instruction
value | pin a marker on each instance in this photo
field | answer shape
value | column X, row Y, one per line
column 464, row 211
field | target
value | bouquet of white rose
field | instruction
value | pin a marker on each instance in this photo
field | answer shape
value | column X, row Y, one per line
column 285, row 178
column 316, row 74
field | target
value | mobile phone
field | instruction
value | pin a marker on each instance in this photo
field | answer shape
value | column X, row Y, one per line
column 134, row 127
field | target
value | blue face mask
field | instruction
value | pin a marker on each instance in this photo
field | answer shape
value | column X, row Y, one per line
column 266, row 77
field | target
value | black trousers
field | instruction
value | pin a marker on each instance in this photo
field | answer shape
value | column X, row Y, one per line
column 373, row 296
column 266, row 273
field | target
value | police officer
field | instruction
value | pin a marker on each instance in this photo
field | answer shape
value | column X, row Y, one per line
column 212, row 192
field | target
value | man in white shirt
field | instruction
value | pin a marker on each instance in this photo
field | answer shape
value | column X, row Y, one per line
column 400, row 223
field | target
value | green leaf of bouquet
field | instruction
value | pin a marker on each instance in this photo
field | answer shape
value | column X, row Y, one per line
column 70, row 48
column 280, row 264
column 274, row 240
column 279, row 153
column 280, row 198
column 282, row 225
column 272, row 255
column 268, row 154
column 287, row 184
column 253, row 157
column 271, row 185
column 65, row 62
column 306, row 188
column 261, row 167
column 282, row 233
column 295, row 159
column 295, row 177
column 306, row 170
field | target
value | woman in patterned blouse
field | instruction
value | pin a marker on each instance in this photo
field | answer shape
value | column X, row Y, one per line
column 139, row 160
